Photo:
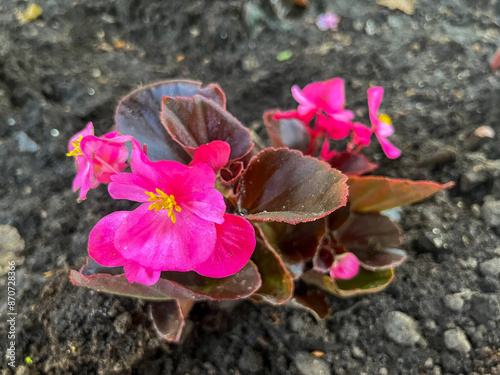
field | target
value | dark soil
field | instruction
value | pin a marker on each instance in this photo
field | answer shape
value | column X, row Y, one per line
column 74, row 63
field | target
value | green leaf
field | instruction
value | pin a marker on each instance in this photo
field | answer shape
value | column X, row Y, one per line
column 364, row 282
column 139, row 115
column 277, row 284
column 284, row 185
column 376, row 194
column 176, row 285
column 196, row 121
column 284, row 55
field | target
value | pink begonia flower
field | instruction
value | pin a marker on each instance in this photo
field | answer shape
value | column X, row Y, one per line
column 96, row 158
column 345, row 266
column 381, row 126
column 326, row 100
column 327, row 21
column 181, row 224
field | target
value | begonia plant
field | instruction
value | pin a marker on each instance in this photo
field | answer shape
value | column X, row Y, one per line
column 220, row 218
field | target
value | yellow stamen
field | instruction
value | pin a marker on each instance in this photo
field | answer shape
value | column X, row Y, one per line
column 163, row 201
column 385, row 119
column 77, row 151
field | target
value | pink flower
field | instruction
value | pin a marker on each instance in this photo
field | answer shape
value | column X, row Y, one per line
column 96, row 159
column 181, row 224
column 326, row 100
column 345, row 266
column 360, row 136
column 327, row 20
column 381, row 126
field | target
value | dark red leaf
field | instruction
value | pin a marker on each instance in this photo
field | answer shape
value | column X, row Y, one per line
column 232, row 173
column 351, row 164
column 383, row 259
column 176, row 285
column 296, row 244
column 197, row 120
column 290, row 133
column 338, row 217
column 284, row 185
column 277, row 284
column 312, row 299
column 168, row 318
column 139, row 115
column 376, row 193
column 323, row 260
column 369, row 230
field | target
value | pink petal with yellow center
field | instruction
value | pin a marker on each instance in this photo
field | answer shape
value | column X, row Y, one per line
column 89, row 130
column 152, row 240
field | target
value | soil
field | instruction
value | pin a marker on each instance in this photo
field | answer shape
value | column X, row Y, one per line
column 72, row 65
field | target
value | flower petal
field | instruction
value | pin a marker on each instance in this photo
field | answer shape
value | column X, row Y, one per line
column 375, row 95
column 101, row 240
column 89, row 130
column 152, row 240
column 170, row 176
column 215, row 154
column 136, row 273
column 207, row 204
column 130, row 186
column 84, row 177
column 233, row 249
column 390, row 150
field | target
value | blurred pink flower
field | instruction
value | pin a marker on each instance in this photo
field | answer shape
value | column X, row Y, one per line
column 345, row 266
column 181, row 224
column 96, row 158
column 327, row 21
column 381, row 125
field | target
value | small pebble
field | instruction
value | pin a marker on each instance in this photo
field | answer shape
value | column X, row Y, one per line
column 402, row 328
column 454, row 302
column 490, row 267
column 429, row 363
column 455, row 339
column 490, row 212
column 309, row 365
column 357, row 352
column 122, row 323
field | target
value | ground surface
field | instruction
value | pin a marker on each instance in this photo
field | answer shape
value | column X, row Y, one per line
column 74, row 63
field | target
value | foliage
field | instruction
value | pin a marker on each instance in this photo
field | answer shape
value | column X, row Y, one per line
column 218, row 218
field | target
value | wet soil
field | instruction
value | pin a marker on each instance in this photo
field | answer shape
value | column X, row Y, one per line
column 72, row 65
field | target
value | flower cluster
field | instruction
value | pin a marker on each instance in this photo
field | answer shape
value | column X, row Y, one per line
column 321, row 109
column 218, row 217
column 96, row 158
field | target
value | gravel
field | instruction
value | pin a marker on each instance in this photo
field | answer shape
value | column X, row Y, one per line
column 455, row 339
column 402, row 328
